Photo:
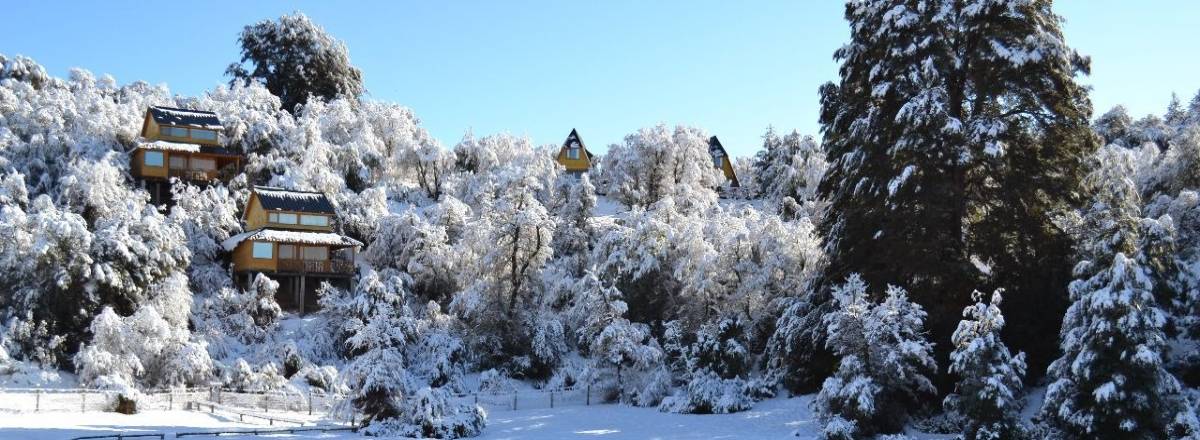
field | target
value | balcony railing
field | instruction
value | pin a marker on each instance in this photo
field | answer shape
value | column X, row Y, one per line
column 194, row 175
column 316, row 266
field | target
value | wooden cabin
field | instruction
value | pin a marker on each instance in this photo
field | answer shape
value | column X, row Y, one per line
column 291, row 238
column 183, row 144
column 722, row 161
column 574, row 155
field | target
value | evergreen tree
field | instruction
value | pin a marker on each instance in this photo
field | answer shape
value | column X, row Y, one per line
column 989, row 377
column 295, row 59
column 956, row 131
column 884, row 366
column 1110, row 381
column 1175, row 116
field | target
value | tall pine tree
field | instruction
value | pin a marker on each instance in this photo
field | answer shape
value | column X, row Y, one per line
column 955, row 134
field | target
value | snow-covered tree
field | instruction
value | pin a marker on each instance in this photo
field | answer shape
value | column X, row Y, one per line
column 512, row 241
column 659, row 162
column 143, row 349
column 951, row 122
column 988, row 390
column 718, row 366
column 1111, row 381
column 624, row 355
column 295, row 58
column 885, row 362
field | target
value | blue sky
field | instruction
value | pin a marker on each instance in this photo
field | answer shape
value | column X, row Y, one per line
column 539, row 68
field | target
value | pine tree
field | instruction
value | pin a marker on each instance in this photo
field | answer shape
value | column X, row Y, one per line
column 1175, row 116
column 1110, row 381
column 884, row 366
column 954, row 116
column 989, row 377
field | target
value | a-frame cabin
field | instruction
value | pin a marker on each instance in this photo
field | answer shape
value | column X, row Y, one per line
column 722, row 161
column 574, row 155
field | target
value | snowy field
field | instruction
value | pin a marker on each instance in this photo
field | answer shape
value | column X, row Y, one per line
column 771, row 419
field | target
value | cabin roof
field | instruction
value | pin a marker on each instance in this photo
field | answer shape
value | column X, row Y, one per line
column 186, row 148
column 279, row 199
column 574, row 136
column 298, row 237
column 715, row 148
column 190, row 118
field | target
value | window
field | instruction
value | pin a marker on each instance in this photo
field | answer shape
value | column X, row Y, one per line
column 153, row 159
column 281, row 217
column 315, row 253
column 314, row 220
column 719, row 161
column 178, row 162
column 287, row 251
column 262, row 250
column 572, row 153
column 204, row 135
column 170, row 131
column 203, row 164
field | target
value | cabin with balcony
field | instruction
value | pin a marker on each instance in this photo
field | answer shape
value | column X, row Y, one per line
column 183, row 144
column 721, row 161
column 290, row 237
column 574, row 156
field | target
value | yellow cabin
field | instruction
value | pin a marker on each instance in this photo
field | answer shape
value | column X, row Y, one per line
column 722, row 161
column 182, row 143
column 291, row 238
column 574, row 155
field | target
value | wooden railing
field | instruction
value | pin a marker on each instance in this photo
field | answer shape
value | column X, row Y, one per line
column 316, row 266
column 195, row 175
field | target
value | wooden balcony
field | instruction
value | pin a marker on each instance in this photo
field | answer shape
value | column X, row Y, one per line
column 336, row 267
column 192, row 175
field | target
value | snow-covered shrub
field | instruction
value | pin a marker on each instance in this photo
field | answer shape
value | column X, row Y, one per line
column 988, row 390
column 432, row 414
column 709, row 393
column 883, row 374
column 141, row 350
column 244, row 378
column 493, row 381
column 718, row 365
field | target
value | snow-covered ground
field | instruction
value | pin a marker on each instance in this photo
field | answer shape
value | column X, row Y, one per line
column 771, row 419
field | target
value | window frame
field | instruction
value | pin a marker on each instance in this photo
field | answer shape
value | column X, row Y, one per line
column 256, row 246
column 324, row 220
column 162, row 158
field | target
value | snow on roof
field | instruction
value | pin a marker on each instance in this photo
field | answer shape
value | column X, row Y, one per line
column 278, row 236
column 280, row 199
column 180, row 116
column 185, row 147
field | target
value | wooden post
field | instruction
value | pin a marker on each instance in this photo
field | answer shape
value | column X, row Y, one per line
column 514, row 400
column 589, row 395
column 303, row 278
column 37, row 405
column 551, row 399
column 310, row 401
column 170, row 401
column 83, row 402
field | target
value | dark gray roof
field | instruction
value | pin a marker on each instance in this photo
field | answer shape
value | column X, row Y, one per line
column 279, row 199
column 714, row 147
column 574, row 137
column 185, row 117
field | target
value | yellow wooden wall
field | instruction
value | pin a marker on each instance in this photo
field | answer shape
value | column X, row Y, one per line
column 581, row 164
column 243, row 258
column 256, row 217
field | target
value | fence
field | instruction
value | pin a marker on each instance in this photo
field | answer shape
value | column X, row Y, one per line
column 258, row 404
column 20, row 400
column 531, row 399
